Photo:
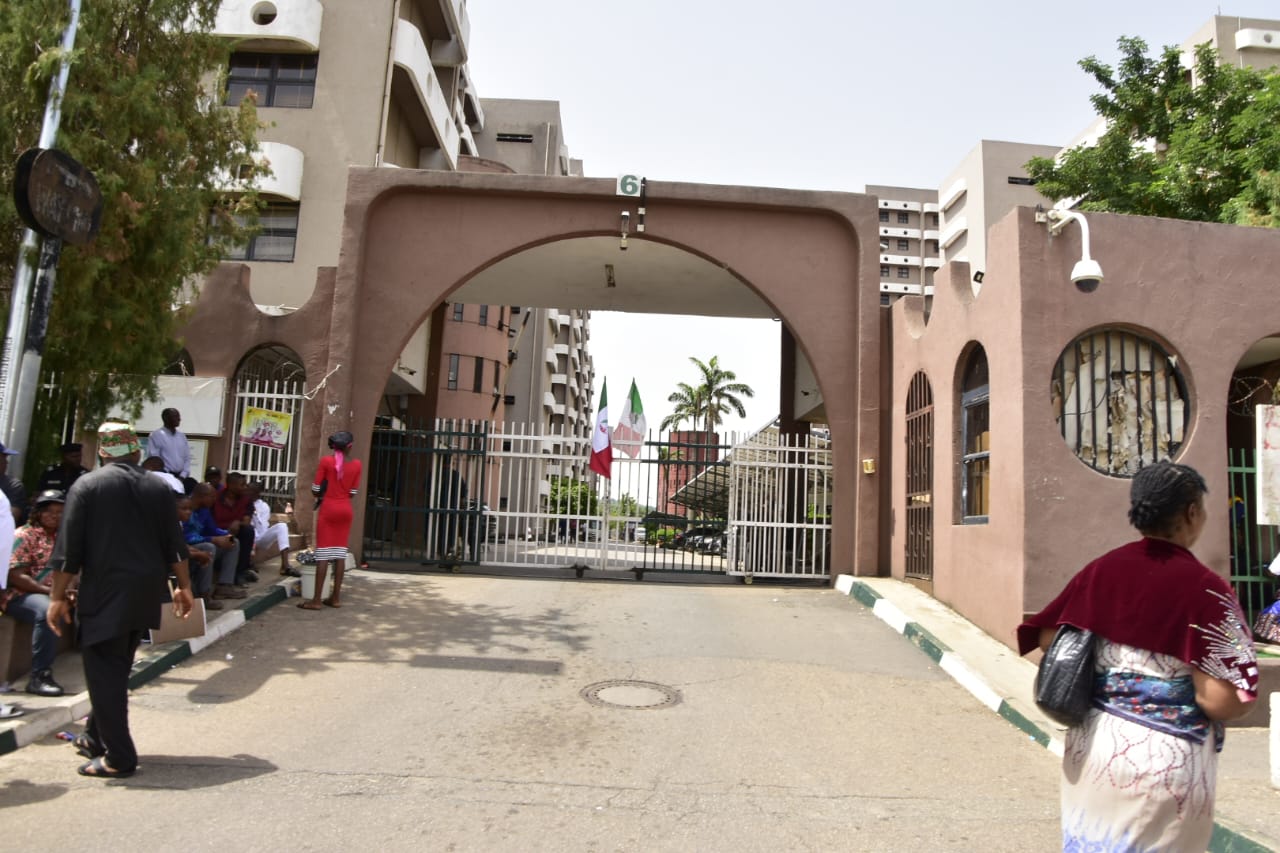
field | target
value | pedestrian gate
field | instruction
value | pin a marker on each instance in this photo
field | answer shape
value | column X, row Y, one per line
column 471, row 493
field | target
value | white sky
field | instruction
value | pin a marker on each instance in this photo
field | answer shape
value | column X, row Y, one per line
column 807, row 94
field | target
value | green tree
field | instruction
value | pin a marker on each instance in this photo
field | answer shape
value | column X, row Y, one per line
column 721, row 393
column 1199, row 145
column 572, row 497
column 142, row 111
column 689, row 406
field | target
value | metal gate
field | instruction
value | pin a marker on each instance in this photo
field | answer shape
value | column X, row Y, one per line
column 524, row 497
column 1252, row 545
column 919, row 471
column 276, row 469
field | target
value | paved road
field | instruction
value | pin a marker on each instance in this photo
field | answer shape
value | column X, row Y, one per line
column 443, row 712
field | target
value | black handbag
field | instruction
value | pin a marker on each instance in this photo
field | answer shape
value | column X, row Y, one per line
column 1064, row 682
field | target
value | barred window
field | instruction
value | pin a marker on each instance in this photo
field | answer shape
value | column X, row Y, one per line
column 975, row 439
column 1120, row 400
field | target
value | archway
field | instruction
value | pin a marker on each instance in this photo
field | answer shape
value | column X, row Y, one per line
column 270, row 389
column 798, row 254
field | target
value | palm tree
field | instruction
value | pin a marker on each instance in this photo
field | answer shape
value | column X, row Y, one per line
column 720, row 393
column 689, row 406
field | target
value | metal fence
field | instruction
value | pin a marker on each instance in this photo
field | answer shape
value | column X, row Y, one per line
column 919, row 473
column 277, row 469
column 1252, row 545
column 524, row 496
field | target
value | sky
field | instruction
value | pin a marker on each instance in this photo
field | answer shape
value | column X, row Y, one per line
column 807, row 94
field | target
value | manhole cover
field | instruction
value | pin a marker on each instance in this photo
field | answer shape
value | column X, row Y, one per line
column 632, row 695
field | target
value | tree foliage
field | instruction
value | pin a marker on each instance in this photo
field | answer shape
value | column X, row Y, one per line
column 143, row 112
column 706, row 404
column 1200, row 143
column 572, row 497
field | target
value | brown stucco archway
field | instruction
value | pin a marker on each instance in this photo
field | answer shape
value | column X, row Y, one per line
column 803, row 253
column 800, row 251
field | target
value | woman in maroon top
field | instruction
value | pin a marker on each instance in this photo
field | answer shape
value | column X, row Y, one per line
column 337, row 481
column 1174, row 659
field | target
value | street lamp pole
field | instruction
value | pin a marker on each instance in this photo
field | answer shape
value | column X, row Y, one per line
column 20, row 305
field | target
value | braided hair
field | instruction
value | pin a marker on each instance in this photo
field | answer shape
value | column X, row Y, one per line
column 1161, row 492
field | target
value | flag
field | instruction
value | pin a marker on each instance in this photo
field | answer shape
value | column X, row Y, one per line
column 601, row 450
column 631, row 428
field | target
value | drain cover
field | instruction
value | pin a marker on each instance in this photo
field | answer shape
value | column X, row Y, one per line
column 632, row 695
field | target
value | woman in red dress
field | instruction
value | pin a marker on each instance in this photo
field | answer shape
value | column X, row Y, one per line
column 337, row 481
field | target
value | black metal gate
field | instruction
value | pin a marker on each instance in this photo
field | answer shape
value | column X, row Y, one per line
column 426, row 492
column 919, row 471
column 1252, row 545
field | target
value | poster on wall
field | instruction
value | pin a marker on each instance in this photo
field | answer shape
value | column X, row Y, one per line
column 265, row 428
column 1268, row 461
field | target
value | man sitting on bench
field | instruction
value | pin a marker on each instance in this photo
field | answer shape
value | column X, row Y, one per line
column 26, row 597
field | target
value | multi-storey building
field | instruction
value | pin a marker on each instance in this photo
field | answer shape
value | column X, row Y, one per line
column 387, row 84
column 908, row 240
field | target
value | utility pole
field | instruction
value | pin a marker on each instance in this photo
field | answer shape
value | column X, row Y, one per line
column 15, row 340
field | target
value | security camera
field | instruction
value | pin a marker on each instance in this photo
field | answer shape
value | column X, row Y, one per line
column 1086, row 275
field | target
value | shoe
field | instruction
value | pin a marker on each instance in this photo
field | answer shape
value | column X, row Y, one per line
column 251, row 576
column 290, row 573
column 228, row 591
column 213, row 604
column 42, row 684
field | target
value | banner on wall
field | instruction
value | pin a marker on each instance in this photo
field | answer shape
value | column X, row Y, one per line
column 1268, row 462
column 265, row 428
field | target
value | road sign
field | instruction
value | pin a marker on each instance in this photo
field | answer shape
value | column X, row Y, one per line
column 57, row 196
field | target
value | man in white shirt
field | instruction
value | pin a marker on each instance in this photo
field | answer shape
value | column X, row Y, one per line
column 170, row 444
column 269, row 538
column 155, row 467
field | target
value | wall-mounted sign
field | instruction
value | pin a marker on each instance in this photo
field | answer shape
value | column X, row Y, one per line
column 629, row 185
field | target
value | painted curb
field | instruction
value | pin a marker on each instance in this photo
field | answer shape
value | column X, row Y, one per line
column 151, row 665
column 1225, row 839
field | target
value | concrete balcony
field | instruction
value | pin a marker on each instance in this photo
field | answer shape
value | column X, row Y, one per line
column 550, row 357
column 931, row 234
column 411, row 58
column 452, row 52
column 557, row 409
column 931, row 207
column 954, row 230
column 1252, row 38
column 952, row 194
column 466, row 139
column 561, row 349
column 907, row 233
column 889, row 204
column 548, row 400
column 932, row 263
column 900, row 260
column 285, row 163
column 559, row 379
column 294, row 21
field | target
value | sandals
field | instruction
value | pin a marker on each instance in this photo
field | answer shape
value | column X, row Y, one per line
column 329, row 602
column 99, row 769
column 308, row 605
column 87, row 747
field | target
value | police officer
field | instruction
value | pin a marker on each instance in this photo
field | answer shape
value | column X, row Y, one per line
column 61, row 475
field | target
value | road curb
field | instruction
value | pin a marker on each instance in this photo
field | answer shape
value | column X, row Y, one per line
column 1225, row 838
column 153, row 664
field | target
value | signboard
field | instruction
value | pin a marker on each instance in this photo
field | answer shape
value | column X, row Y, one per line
column 265, row 428
column 199, row 399
column 57, row 196
column 629, row 185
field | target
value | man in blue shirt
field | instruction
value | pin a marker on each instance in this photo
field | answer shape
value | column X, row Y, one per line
column 200, row 529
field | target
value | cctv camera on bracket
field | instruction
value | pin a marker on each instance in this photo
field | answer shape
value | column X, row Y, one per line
column 1086, row 275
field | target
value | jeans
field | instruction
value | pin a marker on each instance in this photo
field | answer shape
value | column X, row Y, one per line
column 31, row 607
column 224, row 562
column 202, row 575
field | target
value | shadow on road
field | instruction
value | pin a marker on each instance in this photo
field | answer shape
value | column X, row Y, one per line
column 189, row 772
column 20, row 792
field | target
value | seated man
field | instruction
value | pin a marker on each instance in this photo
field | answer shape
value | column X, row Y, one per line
column 233, row 510
column 155, row 465
column 201, row 554
column 269, row 539
column 26, row 597
column 199, row 529
column 61, row 475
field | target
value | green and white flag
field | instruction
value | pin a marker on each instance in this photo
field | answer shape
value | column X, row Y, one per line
column 628, row 435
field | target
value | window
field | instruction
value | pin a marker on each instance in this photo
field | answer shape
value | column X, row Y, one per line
column 278, row 79
column 884, row 216
column 502, row 318
column 453, row 371
column 1120, row 400
column 904, row 245
column 975, row 439
column 497, row 377
column 457, row 312
column 903, row 217
column 477, row 383
column 515, row 137
column 903, row 272
column 933, row 220
column 484, row 315
column 884, row 270
column 276, row 238
column 933, row 246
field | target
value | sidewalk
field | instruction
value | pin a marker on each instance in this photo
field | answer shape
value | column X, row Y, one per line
column 1248, row 808
column 45, row 716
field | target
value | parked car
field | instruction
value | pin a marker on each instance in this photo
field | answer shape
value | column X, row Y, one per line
column 689, row 539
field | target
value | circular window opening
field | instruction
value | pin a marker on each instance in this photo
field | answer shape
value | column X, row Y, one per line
column 1120, row 400
column 263, row 13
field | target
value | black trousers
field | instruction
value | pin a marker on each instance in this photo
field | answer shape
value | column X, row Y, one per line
column 244, row 561
column 106, row 672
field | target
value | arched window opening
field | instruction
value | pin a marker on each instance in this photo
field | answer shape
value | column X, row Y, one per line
column 975, row 439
